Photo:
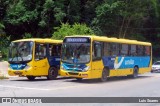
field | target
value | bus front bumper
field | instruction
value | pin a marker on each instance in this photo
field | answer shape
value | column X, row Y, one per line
column 12, row 72
column 75, row 74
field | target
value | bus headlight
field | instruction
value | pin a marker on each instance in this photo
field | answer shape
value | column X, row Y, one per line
column 86, row 69
column 62, row 67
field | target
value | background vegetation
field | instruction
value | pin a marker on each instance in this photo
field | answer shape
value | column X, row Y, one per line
column 133, row 19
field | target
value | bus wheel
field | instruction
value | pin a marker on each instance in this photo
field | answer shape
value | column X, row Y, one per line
column 31, row 78
column 104, row 75
column 52, row 73
column 79, row 79
column 135, row 72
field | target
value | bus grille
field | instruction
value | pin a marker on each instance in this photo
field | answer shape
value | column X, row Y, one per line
column 73, row 73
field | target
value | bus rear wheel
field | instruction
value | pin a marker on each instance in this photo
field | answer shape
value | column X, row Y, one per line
column 31, row 78
column 104, row 76
column 52, row 73
column 135, row 72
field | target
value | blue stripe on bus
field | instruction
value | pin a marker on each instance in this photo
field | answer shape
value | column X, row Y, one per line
column 125, row 62
column 73, row 67
column 18, row 66
column 54, row 60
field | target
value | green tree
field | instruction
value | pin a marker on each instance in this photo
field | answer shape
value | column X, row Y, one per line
column 107, row 16
column 151, row 29
column 120, row 17
column 21, row 16
column 68, row 30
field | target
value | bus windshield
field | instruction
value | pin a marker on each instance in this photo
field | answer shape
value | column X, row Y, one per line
column 76, row 52
column 20, row 51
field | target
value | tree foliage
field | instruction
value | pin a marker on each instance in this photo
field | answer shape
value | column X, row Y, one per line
column 68, row 30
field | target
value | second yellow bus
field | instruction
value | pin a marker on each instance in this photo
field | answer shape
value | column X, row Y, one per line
column 102, row 57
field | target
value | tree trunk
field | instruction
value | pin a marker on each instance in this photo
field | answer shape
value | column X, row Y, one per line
column 121, row 28
column 126, row 28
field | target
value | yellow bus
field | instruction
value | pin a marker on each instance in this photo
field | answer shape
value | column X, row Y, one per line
column 102, row 57
column 34, row 58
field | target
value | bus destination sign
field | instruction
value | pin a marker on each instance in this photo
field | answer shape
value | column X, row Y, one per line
column 77, row 40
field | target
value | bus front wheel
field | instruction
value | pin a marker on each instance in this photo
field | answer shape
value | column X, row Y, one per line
column 104, row 76
column 31, row 78
column 52, row 73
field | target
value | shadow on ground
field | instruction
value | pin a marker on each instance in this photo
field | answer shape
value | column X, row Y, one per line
column 112, row 79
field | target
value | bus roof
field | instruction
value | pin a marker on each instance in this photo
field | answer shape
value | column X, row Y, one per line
column 45, row 40
column 115, row 40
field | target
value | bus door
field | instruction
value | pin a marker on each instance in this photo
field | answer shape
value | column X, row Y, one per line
column 54, row 55
column 41, row 65
column 97, row 65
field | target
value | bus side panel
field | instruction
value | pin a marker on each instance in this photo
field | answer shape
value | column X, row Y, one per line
column 41, row 67
column 124, row 65
column 108, row 61
column 97, row 68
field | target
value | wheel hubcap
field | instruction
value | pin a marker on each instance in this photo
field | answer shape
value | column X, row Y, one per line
column 52, row 72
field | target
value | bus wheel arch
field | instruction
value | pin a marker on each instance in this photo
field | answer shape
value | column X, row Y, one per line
column 105, row 74
column 52, row 73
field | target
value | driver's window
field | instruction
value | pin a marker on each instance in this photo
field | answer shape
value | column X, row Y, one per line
column 40, row 51
column 97, row 51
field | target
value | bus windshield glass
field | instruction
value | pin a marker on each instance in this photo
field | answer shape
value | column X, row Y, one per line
column 76, row 52
column 20, row 51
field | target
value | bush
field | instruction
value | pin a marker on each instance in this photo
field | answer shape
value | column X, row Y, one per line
column 68, row 30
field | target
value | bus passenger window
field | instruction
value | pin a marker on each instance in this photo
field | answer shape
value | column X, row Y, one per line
column 54, row 50
column 107, row 49
column 97, row 51
column 147, row 50
column 133, row 50
column 140, row 50
column 124, row 50
column 40, row 51
column 114, row 49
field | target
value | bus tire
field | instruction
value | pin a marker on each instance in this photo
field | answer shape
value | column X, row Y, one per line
column 52, row 73
column 104, row 76
column 135, row 72
column 31, row 78
column 79, row 79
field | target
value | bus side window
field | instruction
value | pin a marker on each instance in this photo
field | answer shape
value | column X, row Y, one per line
column 133, row 50
column 147, row 51
column 58, row 48
column 124, row 50
column 97, row 51
column 40, row 51
column 54, row 50
column 114, row 49
column 140, row 50
column 107, row 49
